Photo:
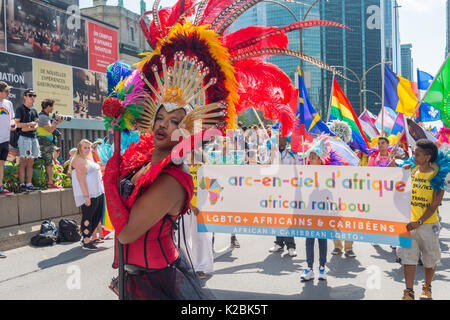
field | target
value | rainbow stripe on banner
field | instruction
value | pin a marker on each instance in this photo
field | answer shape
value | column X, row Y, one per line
column 289, row 225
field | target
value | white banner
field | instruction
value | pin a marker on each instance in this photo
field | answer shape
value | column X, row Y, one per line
column 367, row 204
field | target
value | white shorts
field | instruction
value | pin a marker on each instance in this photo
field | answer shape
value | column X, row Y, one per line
column 425, row 242
column 28, row 147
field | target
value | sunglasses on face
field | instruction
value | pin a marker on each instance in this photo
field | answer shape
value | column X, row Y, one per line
column 31, row 95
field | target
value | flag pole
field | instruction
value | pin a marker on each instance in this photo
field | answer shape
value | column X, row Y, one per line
column 382, row 98
column 331, row 97
column 419, row 103
column 260, row 122
column 431, row 84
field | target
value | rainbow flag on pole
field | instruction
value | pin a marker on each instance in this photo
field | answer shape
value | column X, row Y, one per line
column 341, row 109
column 107, row 226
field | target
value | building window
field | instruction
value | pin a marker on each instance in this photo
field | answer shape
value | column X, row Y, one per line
column 132, row 34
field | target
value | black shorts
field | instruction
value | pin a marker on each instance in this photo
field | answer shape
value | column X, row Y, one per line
column 4, row 149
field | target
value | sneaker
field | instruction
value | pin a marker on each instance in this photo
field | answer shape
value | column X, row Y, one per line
column 350, row 254
column 89, row 246
column 2, row 254
column 23, row 188
column 426, row 292
column 336, row 251
column 322, row 274
column 235, row 242
column 32, row 188
column 408, row 294
column 53, row 186
column 5, row 192
column 201, row 274
column 307, row 275
column 276, row 248
column 292, row 252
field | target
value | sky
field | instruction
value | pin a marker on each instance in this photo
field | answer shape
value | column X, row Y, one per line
column 422, row 23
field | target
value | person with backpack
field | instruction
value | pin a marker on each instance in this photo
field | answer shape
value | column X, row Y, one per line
column 6, row 126
column 87, row 186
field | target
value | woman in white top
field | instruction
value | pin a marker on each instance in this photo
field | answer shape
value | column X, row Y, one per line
column 88, row 191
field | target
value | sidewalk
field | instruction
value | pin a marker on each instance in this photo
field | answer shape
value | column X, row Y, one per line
column 20, row 235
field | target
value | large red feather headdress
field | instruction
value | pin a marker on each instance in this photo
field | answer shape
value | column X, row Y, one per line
column 212, row 75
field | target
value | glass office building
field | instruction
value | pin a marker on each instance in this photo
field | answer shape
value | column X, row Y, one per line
column 357, row 48
column 407, row 62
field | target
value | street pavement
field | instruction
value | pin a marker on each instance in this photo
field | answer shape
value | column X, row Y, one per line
column 66, row 272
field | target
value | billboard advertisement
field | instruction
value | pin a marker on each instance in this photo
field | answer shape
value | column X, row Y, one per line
column 89, row 91
column 53, row 81
column 18, row 73
column 2, row 26
column 103, row 47
column 38, row 31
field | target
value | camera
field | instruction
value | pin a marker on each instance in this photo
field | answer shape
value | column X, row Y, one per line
column 63, row 117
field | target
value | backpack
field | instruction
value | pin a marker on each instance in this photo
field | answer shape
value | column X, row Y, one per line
column 68, row 231
column 48, row 227
column 47, row 235
column 14, row 139
column 43, row 240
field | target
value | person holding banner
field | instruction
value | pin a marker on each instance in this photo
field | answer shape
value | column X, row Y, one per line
column 319, row 153
column 429, row 170
column 284, row 157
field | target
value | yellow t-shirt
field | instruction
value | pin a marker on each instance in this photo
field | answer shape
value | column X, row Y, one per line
column 193, row 170
column 421, row 195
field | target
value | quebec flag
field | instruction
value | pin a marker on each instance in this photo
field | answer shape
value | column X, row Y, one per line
column 427, row 112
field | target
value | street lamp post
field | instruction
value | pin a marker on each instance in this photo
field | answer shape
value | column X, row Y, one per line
column 361, row 82
column 301, row 31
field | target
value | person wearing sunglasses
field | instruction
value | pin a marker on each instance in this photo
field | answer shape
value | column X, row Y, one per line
column 26, row 122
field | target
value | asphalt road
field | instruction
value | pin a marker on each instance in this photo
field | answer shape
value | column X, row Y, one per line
column 66, row 272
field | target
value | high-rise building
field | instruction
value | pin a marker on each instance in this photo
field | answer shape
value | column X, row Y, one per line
column 407, row 62
column 356, row 50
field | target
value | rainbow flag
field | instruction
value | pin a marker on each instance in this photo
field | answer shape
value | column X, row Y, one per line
column 341, row 109
column 107, row 226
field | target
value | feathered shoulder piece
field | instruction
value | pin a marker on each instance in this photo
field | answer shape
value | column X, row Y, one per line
column 441, row 167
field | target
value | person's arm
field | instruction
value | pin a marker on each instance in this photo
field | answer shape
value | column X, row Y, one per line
column 436, row 202
column 81, row 172
column 52, row 126
column 165, row 196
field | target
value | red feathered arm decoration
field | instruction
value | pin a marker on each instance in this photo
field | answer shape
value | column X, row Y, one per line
column 255, row 32
column 266, row 87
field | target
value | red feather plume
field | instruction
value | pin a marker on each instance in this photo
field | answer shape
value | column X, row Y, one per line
column 243, row 35
column 168, row 17
column 266, row 87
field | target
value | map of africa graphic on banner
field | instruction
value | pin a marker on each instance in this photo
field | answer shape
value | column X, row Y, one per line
column 213, row 187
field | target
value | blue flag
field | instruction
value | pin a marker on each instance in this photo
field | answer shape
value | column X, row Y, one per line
column 428, row 113
column 424, row 80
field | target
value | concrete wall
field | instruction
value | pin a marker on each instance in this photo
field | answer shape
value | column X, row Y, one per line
column 19, row 209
